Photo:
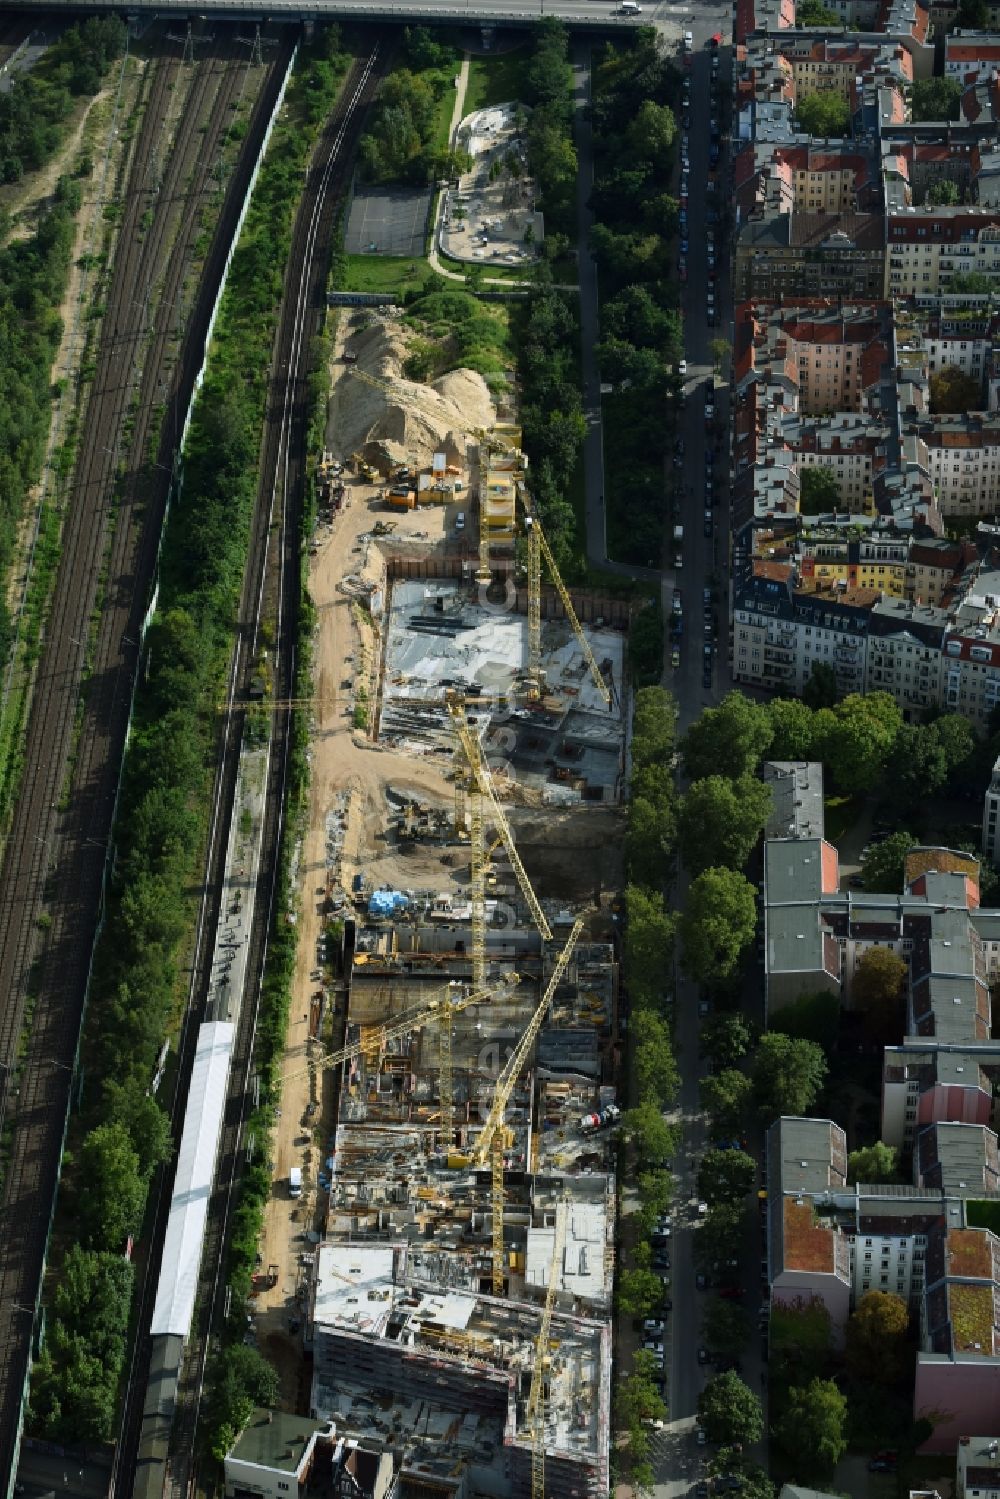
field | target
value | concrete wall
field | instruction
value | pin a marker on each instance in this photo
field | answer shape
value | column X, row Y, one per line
column 959, row 1396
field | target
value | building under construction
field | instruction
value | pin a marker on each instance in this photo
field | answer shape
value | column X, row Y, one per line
column 461, row 1295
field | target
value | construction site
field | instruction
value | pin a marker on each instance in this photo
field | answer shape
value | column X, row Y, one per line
column 440, row 1239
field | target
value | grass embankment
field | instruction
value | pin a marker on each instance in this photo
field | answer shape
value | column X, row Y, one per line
column 139, row 982
column 496, row 79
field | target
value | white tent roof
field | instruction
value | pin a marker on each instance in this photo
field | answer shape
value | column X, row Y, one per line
column 185, row 1234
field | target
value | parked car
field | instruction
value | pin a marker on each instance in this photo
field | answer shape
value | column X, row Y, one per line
column 703, row 1356
column 675, row 658
column 701, row 1281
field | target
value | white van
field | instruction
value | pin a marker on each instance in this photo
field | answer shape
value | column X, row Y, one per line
column 295, row 1181
column 630, row 8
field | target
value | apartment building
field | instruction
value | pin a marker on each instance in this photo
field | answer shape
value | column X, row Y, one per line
column 810, row 255
column 957, row 1380
column 904, row 653
column 957, row 332
column 829, row 556
column 780, row 632
column 977, row 1468
column 835, row 177
column 971, row 667
column 928, row 1082
column 969, row 55
column 991, row 818
column 925, row 247
column 850, row 448
column 832, row 1242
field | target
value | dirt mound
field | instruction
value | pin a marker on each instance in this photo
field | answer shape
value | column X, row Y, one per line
column 397, row 416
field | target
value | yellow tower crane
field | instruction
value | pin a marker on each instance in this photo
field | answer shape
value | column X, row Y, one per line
column 482, row 780
column 439, row 1009
column 489, row 1145
column 536, row 1395
column 538, row 548
column 488, row 441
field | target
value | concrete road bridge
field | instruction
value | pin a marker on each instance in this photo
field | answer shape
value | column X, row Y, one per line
column 598, row 15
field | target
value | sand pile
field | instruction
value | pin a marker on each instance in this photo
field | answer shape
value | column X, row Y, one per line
column 399, row 417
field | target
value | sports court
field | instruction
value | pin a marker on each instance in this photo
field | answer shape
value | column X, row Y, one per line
column 388, row 221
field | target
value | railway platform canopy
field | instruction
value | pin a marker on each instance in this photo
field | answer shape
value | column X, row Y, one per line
column 598, row 15
column 182, row 1245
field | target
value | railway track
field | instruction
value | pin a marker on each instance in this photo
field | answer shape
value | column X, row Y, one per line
column 55, row 859
column 271, row 588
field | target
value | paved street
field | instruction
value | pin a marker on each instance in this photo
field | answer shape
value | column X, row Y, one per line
column 679, row 1460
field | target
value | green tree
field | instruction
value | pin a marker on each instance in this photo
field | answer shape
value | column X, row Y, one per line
column 639, row 1292
column 721, row 820
column 787, row 1075
column 654, row 726
column 975, row 283
column 813, row 13
column 917, row 768
column 635, row 317
column 656, row 1187
column 725, row 1097
column 645, row 642
column 652, row 1136
column 649, row 841
column 726, row 1038
column 649, row 938
column 656, row 1073
column 719, row 1236
column 820, row 691
column 957, row 738
column 148, row 1125
column 943, row 194
column 973, row 15
column 882, row 867
column 935, row 99
column 800, row 1340
column 877, row 990
column 725, row 1327
column 721, row 350
column 811, row 1429
column 717, row 924
column 819, row 492
column 240, row 1380
column 878, row 1343
column 823, row 113
column 652, row 132
column 636, row 1396
column 793, row 731
column 861, row 739
column 813, row 1016
column 726, row 1176
column 873, row 1164
column 729, row 1411
column 952, row 390
column 730, row 740
column 110, row 1193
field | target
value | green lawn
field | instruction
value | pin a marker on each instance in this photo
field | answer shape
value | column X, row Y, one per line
column 495, row 79
column 384, row 273
column 442, row 117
